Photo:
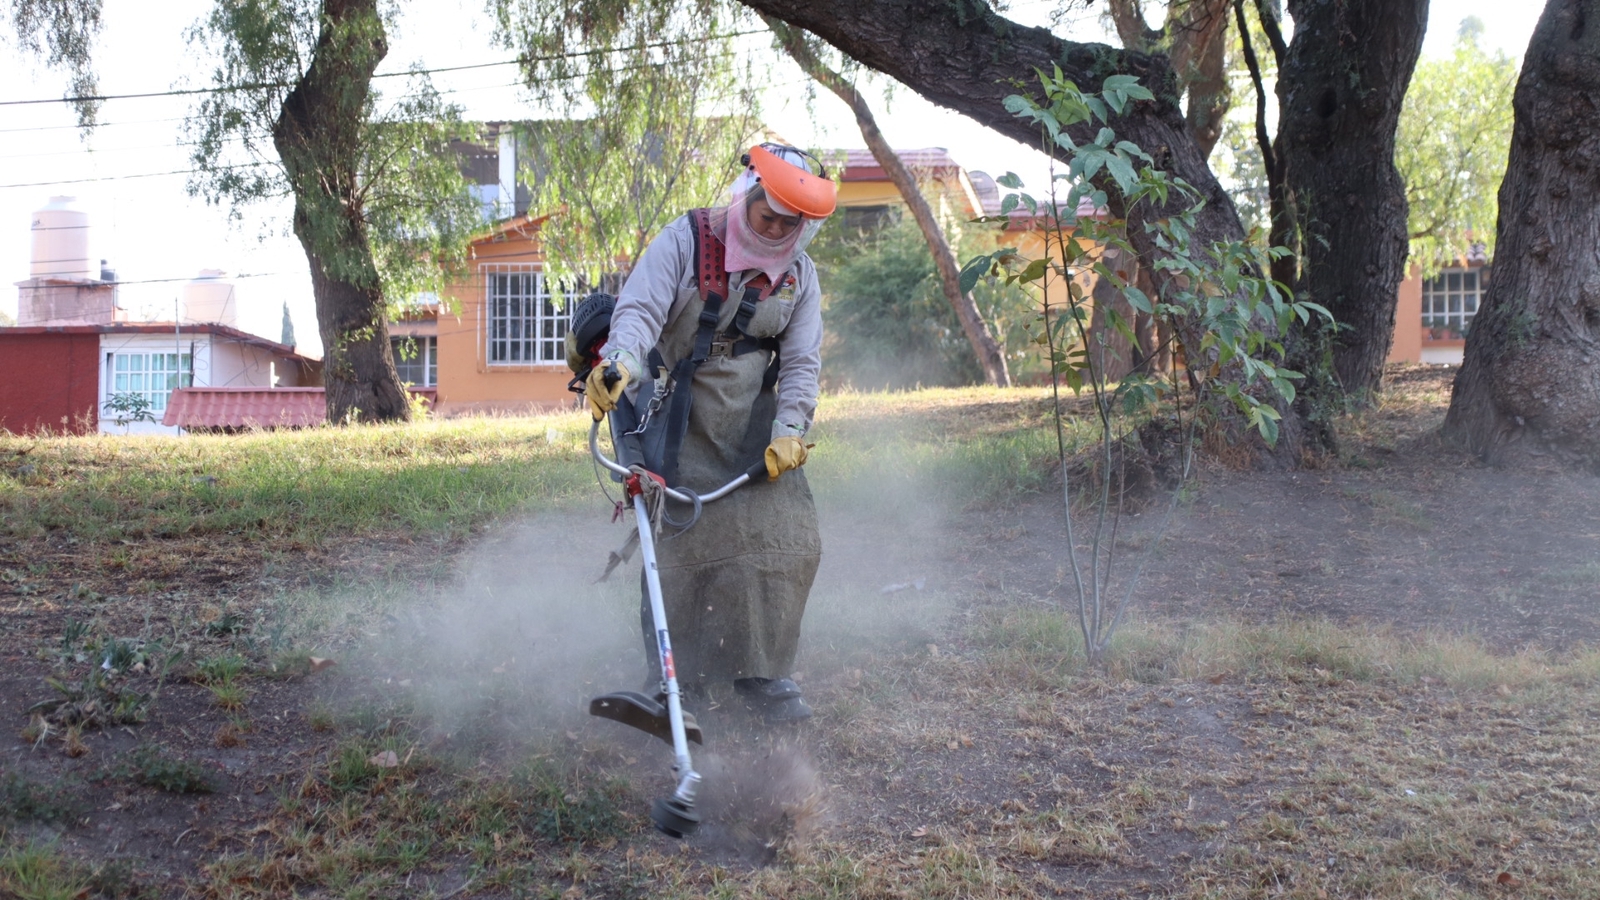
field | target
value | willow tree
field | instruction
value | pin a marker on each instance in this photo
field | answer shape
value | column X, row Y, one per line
column 986, row 349
column 380, row 207
column 1528, row 392
column 648, row 111
column 1451, row 149
column 63, row 32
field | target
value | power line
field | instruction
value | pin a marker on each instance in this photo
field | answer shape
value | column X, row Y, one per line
column 128, row 177
column 119, row 282
column 263, row 85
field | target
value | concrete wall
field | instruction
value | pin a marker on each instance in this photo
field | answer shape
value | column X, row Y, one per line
column 42, row 302
column 1407, row 346
column 49, row 382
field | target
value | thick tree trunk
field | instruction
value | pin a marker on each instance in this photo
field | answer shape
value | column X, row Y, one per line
column 990, row 355
column 965, row 57
column 318, row 137
column 1529, row 387
column 1340, row 90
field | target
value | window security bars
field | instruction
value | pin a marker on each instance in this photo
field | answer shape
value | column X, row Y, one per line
column 416, row 360
column 524, row 324
column 154, row 375
column 1449, row 301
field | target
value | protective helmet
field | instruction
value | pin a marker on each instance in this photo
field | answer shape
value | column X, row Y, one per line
column 796, row 183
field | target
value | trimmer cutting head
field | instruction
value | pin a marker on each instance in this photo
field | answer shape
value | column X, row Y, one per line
column 674, row 818
column 647, row 714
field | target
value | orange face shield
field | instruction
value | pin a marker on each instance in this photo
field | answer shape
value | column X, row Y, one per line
column 796, row 189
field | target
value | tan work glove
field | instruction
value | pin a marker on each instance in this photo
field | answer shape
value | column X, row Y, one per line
column 602, row 398
column 785, row 453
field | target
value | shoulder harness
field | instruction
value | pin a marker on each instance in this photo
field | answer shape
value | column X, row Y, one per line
column 712, row 279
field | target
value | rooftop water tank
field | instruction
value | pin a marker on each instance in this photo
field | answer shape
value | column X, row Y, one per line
column 61, row 242
column 211, row 297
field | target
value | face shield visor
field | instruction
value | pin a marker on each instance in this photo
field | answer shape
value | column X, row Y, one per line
column 791, row 183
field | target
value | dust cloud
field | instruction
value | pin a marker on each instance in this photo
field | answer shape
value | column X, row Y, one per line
column 521, row 637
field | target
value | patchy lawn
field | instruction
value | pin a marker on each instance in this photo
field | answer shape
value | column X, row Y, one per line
column 356, row 664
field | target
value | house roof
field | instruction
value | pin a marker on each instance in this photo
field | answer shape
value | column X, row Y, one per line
column 521, row 225
column 860, row 165
column 216, row 328
column 246, row 407
column 253, row 407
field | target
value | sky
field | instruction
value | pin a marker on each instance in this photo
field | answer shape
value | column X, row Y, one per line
column 129, row 175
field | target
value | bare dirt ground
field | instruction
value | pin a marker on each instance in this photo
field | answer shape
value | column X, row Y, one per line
column 938, row 753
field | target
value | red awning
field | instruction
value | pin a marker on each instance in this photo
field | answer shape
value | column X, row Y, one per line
column 246, row 407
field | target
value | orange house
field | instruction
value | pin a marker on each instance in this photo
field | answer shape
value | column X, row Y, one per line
column 1433, row 314
column 498, row 346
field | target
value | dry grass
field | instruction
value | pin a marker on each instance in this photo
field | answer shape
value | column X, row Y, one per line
column 961, row 748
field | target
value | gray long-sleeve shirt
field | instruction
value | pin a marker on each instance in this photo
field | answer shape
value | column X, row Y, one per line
column 663, row 283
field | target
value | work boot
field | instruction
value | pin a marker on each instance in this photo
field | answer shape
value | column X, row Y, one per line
column 776, row 700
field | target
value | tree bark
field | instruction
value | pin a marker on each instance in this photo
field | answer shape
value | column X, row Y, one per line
column 991, row 356
column 1192, row 37
column 1282, row 230
column 1529, row 386
column 318, row 136
column 1340, row 89
column 964, row 56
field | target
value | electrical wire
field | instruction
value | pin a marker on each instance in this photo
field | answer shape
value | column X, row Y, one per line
column 265, row 85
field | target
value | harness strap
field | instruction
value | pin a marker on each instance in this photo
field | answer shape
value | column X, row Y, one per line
column 712, row 278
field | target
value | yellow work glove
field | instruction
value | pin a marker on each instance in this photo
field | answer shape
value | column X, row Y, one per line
column 785, row 453
column 602, row 397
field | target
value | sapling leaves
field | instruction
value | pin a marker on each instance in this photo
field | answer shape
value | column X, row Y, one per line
column 1220, row 318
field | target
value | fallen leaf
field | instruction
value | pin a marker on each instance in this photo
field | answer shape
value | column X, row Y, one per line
column 1508, row 879
column 1502, row 690
column 1218, row 678
column 319, row 663
column 954, row 745
column 922, row 831
column 965, row 741
column 388, row 759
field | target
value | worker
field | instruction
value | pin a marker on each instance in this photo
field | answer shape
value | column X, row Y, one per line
column 735, row 583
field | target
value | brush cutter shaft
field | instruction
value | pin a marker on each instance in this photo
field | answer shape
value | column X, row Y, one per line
column 669, row 676
column 744, row 478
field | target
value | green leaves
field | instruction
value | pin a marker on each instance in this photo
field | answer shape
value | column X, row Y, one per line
column 1451, row 149
column 1224, row 314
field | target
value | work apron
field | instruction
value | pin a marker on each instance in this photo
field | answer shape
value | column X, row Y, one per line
column 735, row 584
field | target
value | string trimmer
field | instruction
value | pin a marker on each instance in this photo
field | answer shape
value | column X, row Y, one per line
column 663, row 715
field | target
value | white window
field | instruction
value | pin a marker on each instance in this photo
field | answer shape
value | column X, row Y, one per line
column 1449, row 301
column 524, row 324
column 151, row 375
column 416, row 359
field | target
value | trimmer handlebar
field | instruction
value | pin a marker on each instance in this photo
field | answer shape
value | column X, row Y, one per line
column 750, row 474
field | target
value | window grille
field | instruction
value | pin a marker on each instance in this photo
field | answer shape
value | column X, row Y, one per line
column 153, row 375
column 1450, row 300
column 416, row 360
column 525, row 325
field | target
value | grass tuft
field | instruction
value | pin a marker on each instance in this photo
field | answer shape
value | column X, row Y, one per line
column 151, row 766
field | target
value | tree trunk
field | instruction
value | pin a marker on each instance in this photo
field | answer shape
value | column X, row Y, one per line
column 318, row 137
column 965, row 57
column 991, row 356
column 1194, row 38
column 1529, row 386
column 1210, row 96
column 1340, row 90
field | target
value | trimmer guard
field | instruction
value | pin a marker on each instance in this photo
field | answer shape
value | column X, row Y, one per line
column 635, row 710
